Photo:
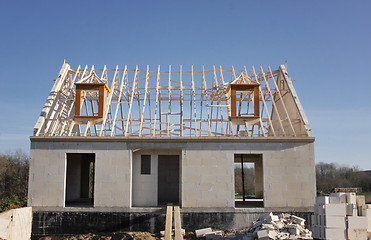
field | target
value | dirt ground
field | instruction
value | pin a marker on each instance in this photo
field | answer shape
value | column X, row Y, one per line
column 116, row 236
column 129, row 236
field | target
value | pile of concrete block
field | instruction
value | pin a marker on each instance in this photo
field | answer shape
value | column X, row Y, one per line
column 341, row 216
column 282, row 226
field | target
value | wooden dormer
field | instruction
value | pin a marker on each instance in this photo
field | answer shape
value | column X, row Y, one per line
column 102, row 91
column 231, row 92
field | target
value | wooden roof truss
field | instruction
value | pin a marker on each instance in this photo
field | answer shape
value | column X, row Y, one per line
column 174, row 103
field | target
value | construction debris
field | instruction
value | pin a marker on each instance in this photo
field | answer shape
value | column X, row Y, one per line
column 267, row 226
column 283, row 226
column 208, row 233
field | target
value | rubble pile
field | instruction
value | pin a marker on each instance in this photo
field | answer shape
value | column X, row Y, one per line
column 282, row 226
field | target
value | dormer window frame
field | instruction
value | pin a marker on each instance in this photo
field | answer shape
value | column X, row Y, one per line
column 101, row 88
column 233, row 89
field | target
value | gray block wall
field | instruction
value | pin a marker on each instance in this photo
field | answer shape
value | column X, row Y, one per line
column 206, row 172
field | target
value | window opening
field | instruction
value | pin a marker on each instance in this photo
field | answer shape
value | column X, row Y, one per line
column 145, row 164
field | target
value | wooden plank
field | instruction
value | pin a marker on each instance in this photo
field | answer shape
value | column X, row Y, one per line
column 131, row 101
column 119, row 100
column 169, row 105
column 144, row 102
column 106, row 103
column 181, row 102
column 177, row 223
column 157, row 100
column 169, row 221
column 194, row 103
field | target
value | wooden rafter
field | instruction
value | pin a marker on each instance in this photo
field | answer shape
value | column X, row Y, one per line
column 173, row 102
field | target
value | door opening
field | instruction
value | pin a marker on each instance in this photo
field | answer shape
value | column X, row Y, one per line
column 80, row 179
column 168, row 179
column 248, row 179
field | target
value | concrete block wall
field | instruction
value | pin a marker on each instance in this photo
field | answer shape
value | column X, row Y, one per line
column 207, row 178
column 289, row 174
column 16, row 224
column 206, row 173
column 47, row 183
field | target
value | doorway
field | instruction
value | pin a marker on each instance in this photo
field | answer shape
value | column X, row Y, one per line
column 80, row 179
column 168, row 179
column 248, row 179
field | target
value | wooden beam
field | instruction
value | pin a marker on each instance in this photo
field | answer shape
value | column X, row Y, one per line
column 169, row 221
column 177, row 223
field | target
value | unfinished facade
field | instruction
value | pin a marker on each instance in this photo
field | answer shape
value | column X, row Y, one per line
column 119, row 139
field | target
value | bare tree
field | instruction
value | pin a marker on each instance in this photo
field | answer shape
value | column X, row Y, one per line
column 14, row 175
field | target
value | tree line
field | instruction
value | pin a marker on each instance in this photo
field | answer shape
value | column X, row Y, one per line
column 13, row 180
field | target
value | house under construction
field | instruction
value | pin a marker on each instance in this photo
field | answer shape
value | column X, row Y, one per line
column 132, row 140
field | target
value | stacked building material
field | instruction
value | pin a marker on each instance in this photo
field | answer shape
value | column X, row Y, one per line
column 282, row 226
column 340, row 216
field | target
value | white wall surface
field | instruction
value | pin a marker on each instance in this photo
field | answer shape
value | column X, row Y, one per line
column 16, row 224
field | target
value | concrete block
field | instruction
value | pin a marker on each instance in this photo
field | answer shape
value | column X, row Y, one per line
column 342, row 197
column 334, row 222
column 273, row 234
column 203, row 232
column 298, row 220
column 335, row 209
column 357, row 234
column 352, row 209
column 334, row 234
column 314, row 220
column 361, row 200
column 318, row 209
column 315, row 231
column 268, row 217
column 334, row 199
column 322, row 200
column 367, row 213
column 357, row 222
column 293, row 230
column 351, row 198
column 262, row 235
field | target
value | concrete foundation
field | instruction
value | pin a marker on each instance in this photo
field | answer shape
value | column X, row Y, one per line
column 151, row 220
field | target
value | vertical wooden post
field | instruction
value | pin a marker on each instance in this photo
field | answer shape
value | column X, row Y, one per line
column 243, row 180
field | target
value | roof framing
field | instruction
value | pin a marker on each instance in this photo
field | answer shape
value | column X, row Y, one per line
column 174, row 103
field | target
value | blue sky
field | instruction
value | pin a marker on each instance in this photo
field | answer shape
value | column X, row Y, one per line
column 327, row 46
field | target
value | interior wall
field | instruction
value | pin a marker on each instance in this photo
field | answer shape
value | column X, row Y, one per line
column 73, row 177
column 145, row 186
column 259, row 178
